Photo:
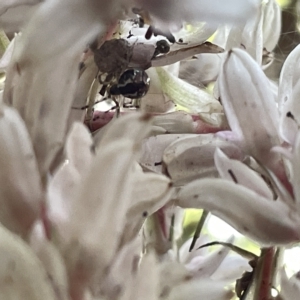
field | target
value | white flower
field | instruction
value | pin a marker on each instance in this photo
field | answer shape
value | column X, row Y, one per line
column 246, row 202
column 259, row 33
column 80, row 202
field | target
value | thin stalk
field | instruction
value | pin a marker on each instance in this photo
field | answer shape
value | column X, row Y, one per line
column 199, row 229
column 91, row 99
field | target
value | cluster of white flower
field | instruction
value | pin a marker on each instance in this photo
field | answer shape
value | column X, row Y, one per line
column 95, row 211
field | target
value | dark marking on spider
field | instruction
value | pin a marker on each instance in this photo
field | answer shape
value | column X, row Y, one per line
column 130, row 34
column 149, row 33
column 133, row 84
column 155, row 31
column 162, row 47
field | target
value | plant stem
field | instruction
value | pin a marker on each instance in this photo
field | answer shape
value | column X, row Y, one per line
column 264, row 274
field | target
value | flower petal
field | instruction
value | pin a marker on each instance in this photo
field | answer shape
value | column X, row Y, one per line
column 202, row 70
column 122, row 270
column 151, row 192
column 20, row 192
column 246, row 97
column 7, row 4
column 192, row 157
column 205, row 288
column 52, row 261
column 146, row 283
column 232, row 268
column 206, row 266
column 155, row 101
column 21, row 272
column 196, row 34
column 175, row 122
column 187, row 95
column 98, row 210
column 235, row 170
column 296, row 171
column 271, row 24
column 288, row 77
column 199, row 10
column 133, row 126
column 78, row 147
column 261, row 32
column 185, row 255
column 14, row 18
column 63, row 186
column 290, row 288
column 153, row 148
column 288, row 93
column 148, row 188
column 267, row 222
